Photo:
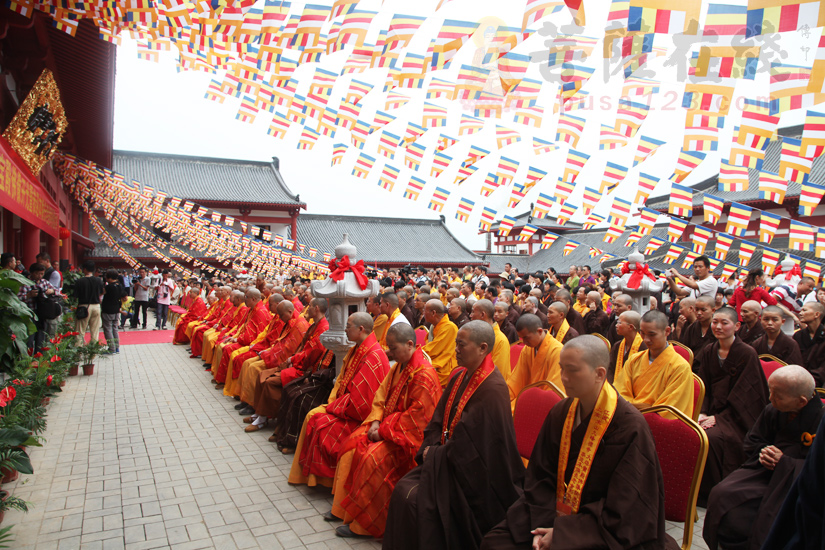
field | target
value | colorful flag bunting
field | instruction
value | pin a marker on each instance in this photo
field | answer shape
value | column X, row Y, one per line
column 465, row 208
column 414, row 188
column 732, row 178
column 768, row 223
column 675, row 229
column 681, row 201
column 440, row 197
column 772, row 187
column 548, row 240
column 739, row 216
column 809, row 198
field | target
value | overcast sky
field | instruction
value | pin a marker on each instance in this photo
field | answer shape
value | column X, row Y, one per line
column 158, row 109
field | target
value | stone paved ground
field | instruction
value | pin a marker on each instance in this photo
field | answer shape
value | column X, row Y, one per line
column 146, row 454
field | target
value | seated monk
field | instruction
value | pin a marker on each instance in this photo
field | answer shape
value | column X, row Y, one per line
column 379, row 320
column 735, row 394
column 214, row 304
column 211, row 341
column 257, row 317
column 469, row 469
column 457, row 310
column 214, row 319
column 613, row 493
column 383, row 449
column 507, row 328
column 750, row 328
column 775, row 342
column 539, row 359
column 196, row 312
column 560, row 329
column 596, row 320
column 658, row 375
column 798, row 524
column 742, row 508
column 621, row 303
column 630, row 341
column 389, row 307
column 574, row 318
column 531, row 305
column 699, row 334
column 298, row 347
column 811, row 340
column 440, row 346
column 483, row 310
column 326, row 428
column 289, row 294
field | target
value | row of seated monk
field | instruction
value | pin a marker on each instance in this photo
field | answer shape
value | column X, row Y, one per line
column 383, row 436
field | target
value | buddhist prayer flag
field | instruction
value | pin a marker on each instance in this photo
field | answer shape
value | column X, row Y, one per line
column 279, row 126
column 529, row 116
column 792, row 165
column 489, row 185
column 542, row 146
column 592, row 221
column 632, row 239
column 488, row 215
column 388, row 177
column 610, row 139
column 506, row 136
column 441, row 88
column 542, row 206
column 506, row 225
column 445, row 142
column 412, row 133
column 723, row 244
column 589, row 199
column 308, row 138
column 517, row 194
column 768, row 223
column 563, row 190
column 673, row 253
column 813, row 135
column 647, row 184
column 453, row 34
column 527, row 232
column 338, row 152
column 681, row 201
column 820, row 243
column 732, row 178
column 690, row 258
column 772, row 187
column 771, row 16
column 469, row 125
column 506, row 171
column 538, row 9
column 570, row 247
column 387, row 144
column 569, row 129
column 700, row 238
column 474, row 155
column 434, row 116
column 813, row 270
column 464, row 172
column 381, row 119
column 770, row 258
column 647, row 219
column 414, row 188
column 687, row 162
column 534, row 175
column 738, row 218
column 440, row 197
column 613, row 232
column 395, row 100
column 675, row 229
column 414, row 155
column 745, row 155
column 700, row 138
column 809, row 198
column 440, row 163
column 359, row 133
column 524, row 94
column 548, row 240
column 357, row 90
column 746, row 250
column 653, row 245
column 619, row 212
column 363, row 165
column 629, row 116
column 565, row 213
column 575, row 163
column 757, row 124
column 708, row 98
column 647, row 147
column 789, row 88
column 712, row 206
column 613, row 175
column 465, row 208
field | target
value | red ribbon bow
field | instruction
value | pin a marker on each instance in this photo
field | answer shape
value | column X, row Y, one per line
column 639, row 272
column 339, row 267
column 795, row 271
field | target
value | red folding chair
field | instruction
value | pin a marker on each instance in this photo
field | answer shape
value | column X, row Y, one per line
column 684, row 351
column 515, row 351
column 770, row 364
column 532, row 406
column 421, row 336
column 698, row 395
column 682, row 448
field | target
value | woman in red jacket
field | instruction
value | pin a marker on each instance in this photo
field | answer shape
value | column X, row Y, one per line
column 752, row 289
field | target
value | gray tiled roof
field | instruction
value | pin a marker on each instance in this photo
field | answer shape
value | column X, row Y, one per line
column 770, row 164
column 207, row 179
column 548, row 223
column 385, row 240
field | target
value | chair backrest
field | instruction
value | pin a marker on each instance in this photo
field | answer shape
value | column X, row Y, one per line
column 684, row 351
column 603, row 339
column 421, row 336
column 770, row 364
column 821, row 393
column 682, row 448
column 698, row 396
column 532, row 406
column 515, row 351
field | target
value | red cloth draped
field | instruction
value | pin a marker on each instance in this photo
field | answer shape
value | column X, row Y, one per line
column 339, row 267
column 639, row 272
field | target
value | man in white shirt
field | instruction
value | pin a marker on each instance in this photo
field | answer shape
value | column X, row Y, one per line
column 164, row 290
column 154, row 281
column 702, row 284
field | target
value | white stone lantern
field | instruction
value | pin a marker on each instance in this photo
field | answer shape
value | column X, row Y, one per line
column 789, row 280
column 344, row 298
column 646, row 286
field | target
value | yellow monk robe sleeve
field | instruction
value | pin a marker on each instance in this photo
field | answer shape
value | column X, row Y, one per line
column 677, row 387
column 442, row 349
column 623, row 383
column 501, row 353
column 521, row 374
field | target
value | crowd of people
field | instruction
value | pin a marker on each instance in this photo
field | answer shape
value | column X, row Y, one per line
column 415, row 435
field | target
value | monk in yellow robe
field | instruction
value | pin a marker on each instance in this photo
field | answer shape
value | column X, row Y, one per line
column 668, row 380
column 212, row 307
column 560, row 328
column 379, row 320
column 539, row 360
column 629, row 344
column 213, row 317
column 483, row 310
column 440, row 344
column 389, row 307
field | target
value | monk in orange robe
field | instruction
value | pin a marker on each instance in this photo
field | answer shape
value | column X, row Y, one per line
column 257, row 319
column 211, row 321
column 214, row 304
column 383, row 449
column 229, row 322
column 196, row 312
column 326, row 428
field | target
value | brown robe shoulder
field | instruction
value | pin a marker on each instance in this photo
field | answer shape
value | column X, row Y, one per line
column 784, row 348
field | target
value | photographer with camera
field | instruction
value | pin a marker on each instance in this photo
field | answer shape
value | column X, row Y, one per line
column 40, row 298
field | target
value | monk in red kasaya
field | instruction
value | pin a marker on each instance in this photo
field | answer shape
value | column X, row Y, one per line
column 196, row 312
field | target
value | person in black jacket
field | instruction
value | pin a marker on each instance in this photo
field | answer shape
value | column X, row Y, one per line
column 88, row 290
column 110, row 310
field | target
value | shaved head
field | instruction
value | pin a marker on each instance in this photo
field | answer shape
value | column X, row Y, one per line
column 437, row 306
column 633, row 319
column 754, row 306
column 593, row 351
column 530, row 323
column 776, row 310
column 401, row 332
column 561, row 307
column 479, row 333
column 625, row 300
column 563, row 295
column 320, row 303
column 362, row 319
column 687, row 302
column 486, row 307
column 275, row 298
column 708, row 301
column 253, row 293
column 390, row 298
column 728, row 312
column 794, row 381
column 655, row 317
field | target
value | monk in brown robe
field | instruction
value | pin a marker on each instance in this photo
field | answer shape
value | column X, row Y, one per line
column 750, row 329
column 742, row 507
column 811, row 340
column 504, row 324
column 560, row 328
column 383, row 449
column 621, row 303
column 699, row 334
column 613, row 496
column 775, row 342
column 457, row 309
column 574, row 318
column 631, row 342
column 469, row 469
column 596, row 321
column 735, row 394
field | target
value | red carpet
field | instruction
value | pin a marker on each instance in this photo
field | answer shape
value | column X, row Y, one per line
column 129, row 337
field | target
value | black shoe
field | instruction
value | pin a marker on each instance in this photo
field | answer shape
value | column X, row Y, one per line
column 346, row 532
column 246, row 411
column 207, row 365
column 329, row 516
column 241, row 405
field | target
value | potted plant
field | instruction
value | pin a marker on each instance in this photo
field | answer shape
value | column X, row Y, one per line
column 13, row 457
column 17, row 321
column 87, row 355
column 9, row 502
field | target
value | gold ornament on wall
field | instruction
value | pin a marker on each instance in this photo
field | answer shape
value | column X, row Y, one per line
column 39, row 124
